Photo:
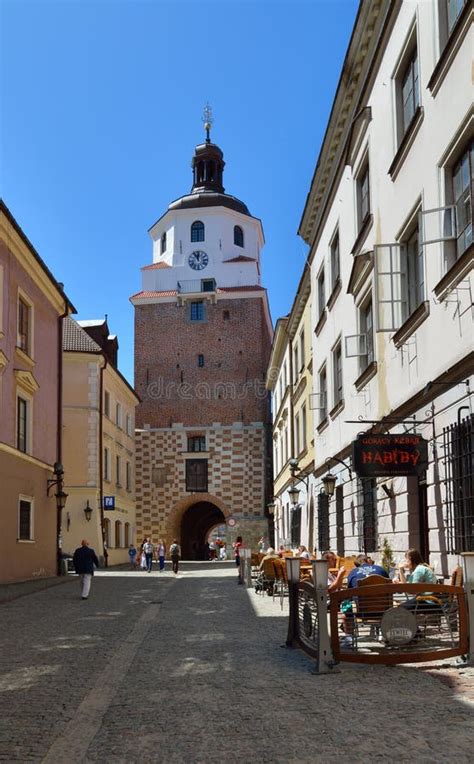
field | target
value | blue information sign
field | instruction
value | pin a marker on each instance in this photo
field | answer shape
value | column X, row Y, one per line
column 109, row 502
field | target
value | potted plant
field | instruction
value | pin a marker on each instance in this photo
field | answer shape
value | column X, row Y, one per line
column 387, row 559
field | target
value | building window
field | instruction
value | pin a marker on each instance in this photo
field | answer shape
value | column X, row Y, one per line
column 462, row 184
column 197, row 231
column 128, row 477
column 415, row 279
column 323, row 394
column 285, row 445
column 196, row 475
column 458, row 457
column 163, row 242
column 335, row 261
column 197, row 311
column 226, row 315
column 197, row 443
column 200, row 360
column 454, row 8
column 117, row 470
column 295, row 364
column 127, row 534
column 24, row 326
column 366, row 323
column 363, row 195
column 118, row 415
column 22, row 425
column 238, row 236
column 297, row 434
column 25, row 519
column 208, row 285
column 106, row 464
column 302, row 353
column 303, row 426
column 340, row 544
column 368, row 515
column 410, row 91
column 321, row 293
column 107, row 403
column 107, row 532
column 118, row 534
column 323, row 522
column 296, row 526
column 128, row 423
column 337, row 374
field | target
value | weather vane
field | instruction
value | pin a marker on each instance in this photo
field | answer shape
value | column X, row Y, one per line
column 208, row 119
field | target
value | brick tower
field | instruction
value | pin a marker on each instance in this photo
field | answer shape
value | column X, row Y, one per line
column 202, row 344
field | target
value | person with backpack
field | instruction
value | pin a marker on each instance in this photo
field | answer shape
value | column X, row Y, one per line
column 175, row 554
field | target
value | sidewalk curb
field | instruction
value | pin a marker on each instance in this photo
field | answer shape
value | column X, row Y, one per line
column 16, row 590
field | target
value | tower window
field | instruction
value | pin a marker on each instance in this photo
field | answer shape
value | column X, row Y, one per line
column 163, row 243
column 197, row 231
column 197, row 443
column 196, row 312
column 226, row 315
column 238, row 236
column 200, row 360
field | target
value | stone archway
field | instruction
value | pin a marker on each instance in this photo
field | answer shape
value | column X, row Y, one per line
column 205, row 519
column 196, row 523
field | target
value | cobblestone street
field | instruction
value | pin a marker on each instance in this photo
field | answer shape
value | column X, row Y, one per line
column 191, row 670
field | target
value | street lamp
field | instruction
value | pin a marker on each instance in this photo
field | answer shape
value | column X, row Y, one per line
column 271, row 507
column 293, row 569
column 61, row 498
column 88, row 511
column 294, row 494
column 329, row 483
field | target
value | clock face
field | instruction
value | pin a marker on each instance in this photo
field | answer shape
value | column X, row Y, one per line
column 198, row 260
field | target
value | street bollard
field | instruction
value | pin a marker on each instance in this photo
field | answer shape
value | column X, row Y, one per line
column 468, row 577
column 325, row 660
column 293, row 576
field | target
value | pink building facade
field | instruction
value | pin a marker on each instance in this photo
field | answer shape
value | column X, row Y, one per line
column 31, row 305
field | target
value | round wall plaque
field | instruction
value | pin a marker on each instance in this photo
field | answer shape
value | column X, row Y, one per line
column 398, row 626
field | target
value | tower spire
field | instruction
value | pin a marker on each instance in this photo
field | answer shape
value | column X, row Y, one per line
column 208, row 119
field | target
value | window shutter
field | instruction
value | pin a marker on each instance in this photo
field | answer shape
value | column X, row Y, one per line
column 390, row 266
column 355, row 345
column 438, row 224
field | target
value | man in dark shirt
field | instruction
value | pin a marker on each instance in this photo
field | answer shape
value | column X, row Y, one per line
column 84, row 560
column 363, row 569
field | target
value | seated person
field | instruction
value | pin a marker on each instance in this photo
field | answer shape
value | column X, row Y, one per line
column 334, row 579
column 270, row 555
column 419, row 573
column 281, row 551
column 303, row 553
column 364, row 568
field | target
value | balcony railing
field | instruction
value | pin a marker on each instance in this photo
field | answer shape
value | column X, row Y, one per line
column 196, row 286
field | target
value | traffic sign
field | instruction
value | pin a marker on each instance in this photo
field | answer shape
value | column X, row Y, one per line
column 109, row 502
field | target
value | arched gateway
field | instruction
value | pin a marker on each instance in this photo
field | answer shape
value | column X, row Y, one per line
column 191, row 520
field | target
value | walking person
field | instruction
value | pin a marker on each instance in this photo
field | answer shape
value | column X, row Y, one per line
column 238, row 543
column 132, row 553
column 175, row 552
column 148, row 549
column 161, row 553
column 84, row 559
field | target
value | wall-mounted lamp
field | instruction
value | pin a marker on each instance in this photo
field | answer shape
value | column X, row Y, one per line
column 388, row 490
column 271, row 507
column 294, row 494
column 329, row 483
column 88, row 511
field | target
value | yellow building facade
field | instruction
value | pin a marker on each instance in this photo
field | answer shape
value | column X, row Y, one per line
column 290, row 381
column 98, row 444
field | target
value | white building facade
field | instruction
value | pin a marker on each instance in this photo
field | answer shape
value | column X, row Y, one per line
column 389, row 222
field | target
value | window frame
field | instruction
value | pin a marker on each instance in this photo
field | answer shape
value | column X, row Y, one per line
column 197, row 231
column 337, row 374
column 128, row 477
column 163, row 243
column 335, row 257
column 197, row 483
column 362, row 312
column 22, row 498
column 107, row 400
column 323, row 392
column 238, row 235
column 363, row 174
column 22, row 399
column 194, row 440
column 323, row 522
column 197, row 311
column 24, row 300
column 368, row 515
column 107, row 464
column 118, row 470
column 321, row 291
column 118, row 414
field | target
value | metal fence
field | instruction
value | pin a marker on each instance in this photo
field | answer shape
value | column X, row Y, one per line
column 458, row 446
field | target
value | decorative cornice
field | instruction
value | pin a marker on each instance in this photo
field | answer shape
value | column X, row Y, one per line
column 26, row 380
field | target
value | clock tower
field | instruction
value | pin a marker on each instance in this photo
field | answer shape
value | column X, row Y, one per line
column 202, row 344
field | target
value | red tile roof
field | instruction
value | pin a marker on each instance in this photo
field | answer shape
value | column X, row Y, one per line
column 154, row 266
column 168, row 293
column 173, row 292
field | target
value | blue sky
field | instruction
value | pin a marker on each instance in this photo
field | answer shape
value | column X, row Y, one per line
column 101, row 105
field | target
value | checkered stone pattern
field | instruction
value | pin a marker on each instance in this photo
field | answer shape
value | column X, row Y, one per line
column 236, row 472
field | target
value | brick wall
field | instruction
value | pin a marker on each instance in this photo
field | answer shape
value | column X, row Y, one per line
column 228, row 388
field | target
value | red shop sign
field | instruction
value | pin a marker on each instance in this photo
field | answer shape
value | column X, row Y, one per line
column 387, row 455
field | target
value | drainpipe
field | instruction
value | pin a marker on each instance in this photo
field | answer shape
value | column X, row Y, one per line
column 59, row 436
column 101, row 461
